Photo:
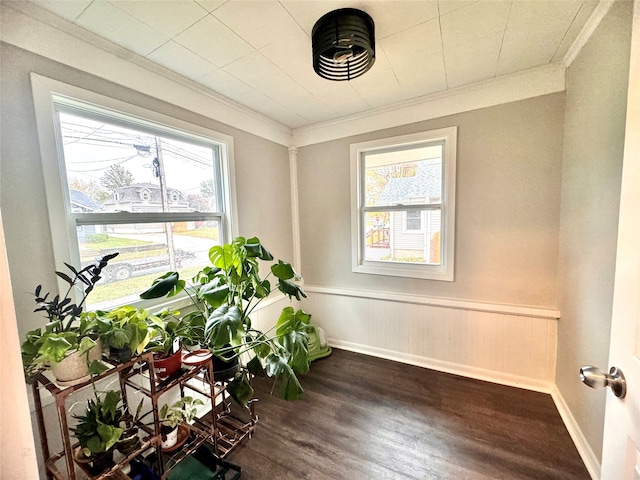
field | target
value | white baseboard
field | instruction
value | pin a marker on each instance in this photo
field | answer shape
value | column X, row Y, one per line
column 586, row 453
column 448, row 367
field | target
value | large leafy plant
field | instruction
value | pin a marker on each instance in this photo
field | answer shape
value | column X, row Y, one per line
column 67, row 328
column 98, row 429
column 224, row 296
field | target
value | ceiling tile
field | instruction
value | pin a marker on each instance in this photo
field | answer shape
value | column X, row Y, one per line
column 412, row 45
column 172, row 18
column 448, row 6
column 376, row 90
column 343, row 100
column 478, row 60
column 69, row 9
column 272, row 109
column 391, row 18
column 174, row 56
column 105, row 20
column 214, row 41
column 211, row 5
column 225, row 84
column 258, row 72
column 581, row 18
column 482, row 18
column 534, row 33
column 258, row 23
column 307, row 13
column 423, row 78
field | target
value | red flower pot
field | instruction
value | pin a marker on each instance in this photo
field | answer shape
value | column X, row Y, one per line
column 167, row 366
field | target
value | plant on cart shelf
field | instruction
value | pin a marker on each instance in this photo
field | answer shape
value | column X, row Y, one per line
column 171, row 416
column 68, row 333
column 165, row 343
column 98, row 429
column 225, row 295
column 125, row 330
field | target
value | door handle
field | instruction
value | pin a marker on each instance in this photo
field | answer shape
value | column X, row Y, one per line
column 596, row 378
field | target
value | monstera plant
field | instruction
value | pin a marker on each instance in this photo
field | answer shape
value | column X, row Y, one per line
column 224, row 296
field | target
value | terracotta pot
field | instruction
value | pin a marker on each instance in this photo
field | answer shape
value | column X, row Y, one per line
column 74, row 368
column 165, row 367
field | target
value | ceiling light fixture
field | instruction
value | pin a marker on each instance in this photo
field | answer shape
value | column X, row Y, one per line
column 343, row 44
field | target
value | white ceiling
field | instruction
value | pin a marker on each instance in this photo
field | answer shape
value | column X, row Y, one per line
column 258, row 53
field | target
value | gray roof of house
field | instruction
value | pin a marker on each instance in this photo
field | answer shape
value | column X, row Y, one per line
column 424, row 184
column 131, row 193
column 83, row 201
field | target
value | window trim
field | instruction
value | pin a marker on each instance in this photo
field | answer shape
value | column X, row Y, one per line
column 48, row 93
column 443, row 272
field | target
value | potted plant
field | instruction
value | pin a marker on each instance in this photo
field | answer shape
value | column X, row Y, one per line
column 165, row 343
column 225, row 294
column 129, row 440
column 125, row 330
column 171, row 416
column 67, row 343
column 98, row 430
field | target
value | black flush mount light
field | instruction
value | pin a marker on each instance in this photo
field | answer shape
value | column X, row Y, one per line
column 344, row 45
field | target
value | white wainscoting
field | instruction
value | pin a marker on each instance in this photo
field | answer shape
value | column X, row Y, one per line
column 512, row 345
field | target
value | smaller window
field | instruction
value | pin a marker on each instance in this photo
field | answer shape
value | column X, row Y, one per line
column 413, row 221
column 403, row 205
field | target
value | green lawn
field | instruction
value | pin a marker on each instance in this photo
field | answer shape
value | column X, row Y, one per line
column 114, row 242
column 210, row 233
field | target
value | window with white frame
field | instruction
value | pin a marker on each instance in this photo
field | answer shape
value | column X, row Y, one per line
column 158, row 194
column 403, row 205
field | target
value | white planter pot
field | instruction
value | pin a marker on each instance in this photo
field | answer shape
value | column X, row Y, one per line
column 74, row 368
column 170, row 439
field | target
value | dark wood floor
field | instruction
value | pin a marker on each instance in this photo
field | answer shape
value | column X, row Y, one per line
column 367, row 418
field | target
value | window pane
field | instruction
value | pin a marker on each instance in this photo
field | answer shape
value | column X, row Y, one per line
column 113, row 168
column 388, row 237
column 404, row 177
column 145, row 253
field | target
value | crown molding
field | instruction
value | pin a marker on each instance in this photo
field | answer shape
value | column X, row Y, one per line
column 31, row 28
column 588, row 29
column 508, row 88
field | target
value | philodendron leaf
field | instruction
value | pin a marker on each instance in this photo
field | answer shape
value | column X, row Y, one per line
column 291, row 388
column 290, row 320
column 255, row 249
column 240, row 389
column 255, row 367
column 215, row 295
column 283, row 270
column 291, row 289
column 168, row 285
column 86, row 344
column 96, row 367
column 54, row 348
column 223, row 257
column 223, row 325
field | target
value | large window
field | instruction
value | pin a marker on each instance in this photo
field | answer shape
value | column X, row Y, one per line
column 403, row 205
column 157, row 194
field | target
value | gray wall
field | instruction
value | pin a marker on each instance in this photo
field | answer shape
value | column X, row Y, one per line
column 262, row 175
column 595, row 108
column 508, row 207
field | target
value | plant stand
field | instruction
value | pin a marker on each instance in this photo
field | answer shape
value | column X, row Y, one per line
column 220, row 430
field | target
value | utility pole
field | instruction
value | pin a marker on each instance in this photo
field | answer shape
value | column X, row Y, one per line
column 165, row 205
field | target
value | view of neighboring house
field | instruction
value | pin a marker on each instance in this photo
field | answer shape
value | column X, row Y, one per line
column 411, row 235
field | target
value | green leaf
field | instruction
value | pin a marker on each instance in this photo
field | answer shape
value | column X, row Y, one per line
column 86, row 344
column 109, row 435
column 240, row 389
column 223, row 325
column 168, row 284
column 290, row 321
column 215, row 295
column 223, row 257
column 96, row 367
column 291, row 388
column 283, row 270
column 291, row 289
column 255, row 367
column 54, row 348
column 255, row 249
